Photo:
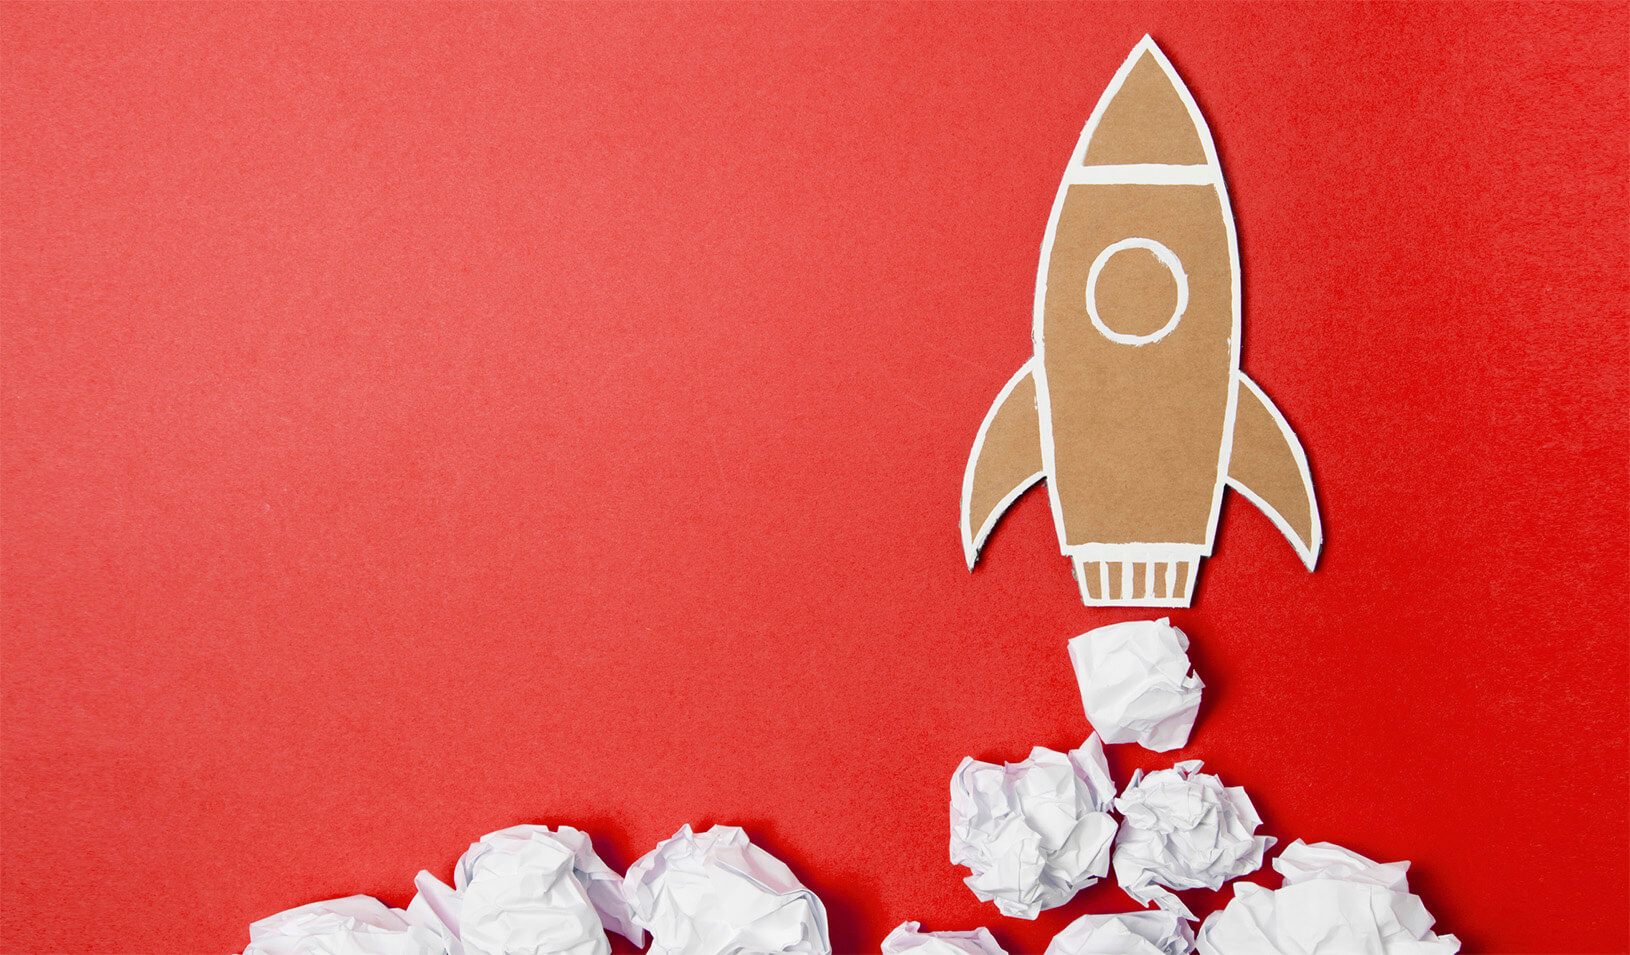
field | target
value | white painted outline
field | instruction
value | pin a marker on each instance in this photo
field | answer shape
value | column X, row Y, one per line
column 1309, row 553
column 971, row 542
column 1076, row 172
column 1138, row 552
column 1144, row 174
column 1165, row 256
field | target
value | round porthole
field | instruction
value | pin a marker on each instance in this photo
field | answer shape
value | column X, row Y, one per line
column 1138, row 276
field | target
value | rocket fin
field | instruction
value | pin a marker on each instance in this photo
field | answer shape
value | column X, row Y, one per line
column 1005, row 462
column 1268, row 466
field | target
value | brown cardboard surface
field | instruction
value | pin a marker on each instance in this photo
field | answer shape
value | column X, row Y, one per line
column 1135, row 293
column 1134, row 409
column 1145, row 122
column 1138, row 430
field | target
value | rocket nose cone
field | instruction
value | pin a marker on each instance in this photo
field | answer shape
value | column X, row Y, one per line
column 1147, row 118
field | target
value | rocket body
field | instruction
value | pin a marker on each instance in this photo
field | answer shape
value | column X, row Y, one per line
column 1163, row 404
column 1135, row 386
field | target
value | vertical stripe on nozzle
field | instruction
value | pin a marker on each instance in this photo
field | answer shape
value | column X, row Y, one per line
column 1090, row 580
column 1185, row 571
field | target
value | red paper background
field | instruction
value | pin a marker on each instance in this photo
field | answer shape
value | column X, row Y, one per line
column 422, row 420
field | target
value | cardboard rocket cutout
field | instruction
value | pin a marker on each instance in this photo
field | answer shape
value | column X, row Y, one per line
column 1134, row 407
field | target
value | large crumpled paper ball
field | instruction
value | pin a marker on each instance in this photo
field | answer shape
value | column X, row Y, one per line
column 909, row 939
column 718, row 894
column 1135, row 683
column 1125, row 933
column 355, row 925
column 527, row 890
column 1334, row 902
column 1036, row 832
column 1181, row 829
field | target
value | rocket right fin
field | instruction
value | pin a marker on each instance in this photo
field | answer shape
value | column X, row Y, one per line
column 1005, row 462
column 1268, row 466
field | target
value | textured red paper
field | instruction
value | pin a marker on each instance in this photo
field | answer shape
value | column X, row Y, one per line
column 421, row 420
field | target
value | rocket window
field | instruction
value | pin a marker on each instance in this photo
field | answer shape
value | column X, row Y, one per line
column 1137, row 291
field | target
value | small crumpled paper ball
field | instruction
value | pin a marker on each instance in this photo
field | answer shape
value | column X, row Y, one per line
column 1136, row 684
column 355, row 925
column 1334, row 901
column 1126, row 933
column 527, row 890
column 909, row 939
column 1183, row 830
column 718, row 894
column 1036, row 832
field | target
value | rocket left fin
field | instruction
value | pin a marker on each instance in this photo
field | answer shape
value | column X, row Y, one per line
column 1005, row 462
column 1268, row 466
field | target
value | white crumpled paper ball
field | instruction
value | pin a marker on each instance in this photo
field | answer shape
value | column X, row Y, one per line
column 718, row 894
column 355, row 925
column 1036, row 832
column 1125, row 933
column 909, row 939
column 1334, row 902
column 1135, row 683
column 1181, row 829
column 527, row 890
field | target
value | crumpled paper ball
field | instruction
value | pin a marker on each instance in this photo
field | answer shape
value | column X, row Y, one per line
column 718, row 894
column 1181, row 829
column 355, row 925
column 1036, row 832
column 1136, row 684
column 1126, row 933
column 1301, row 862
column 527, row 890
column 1334, row 901
column 909, row 939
